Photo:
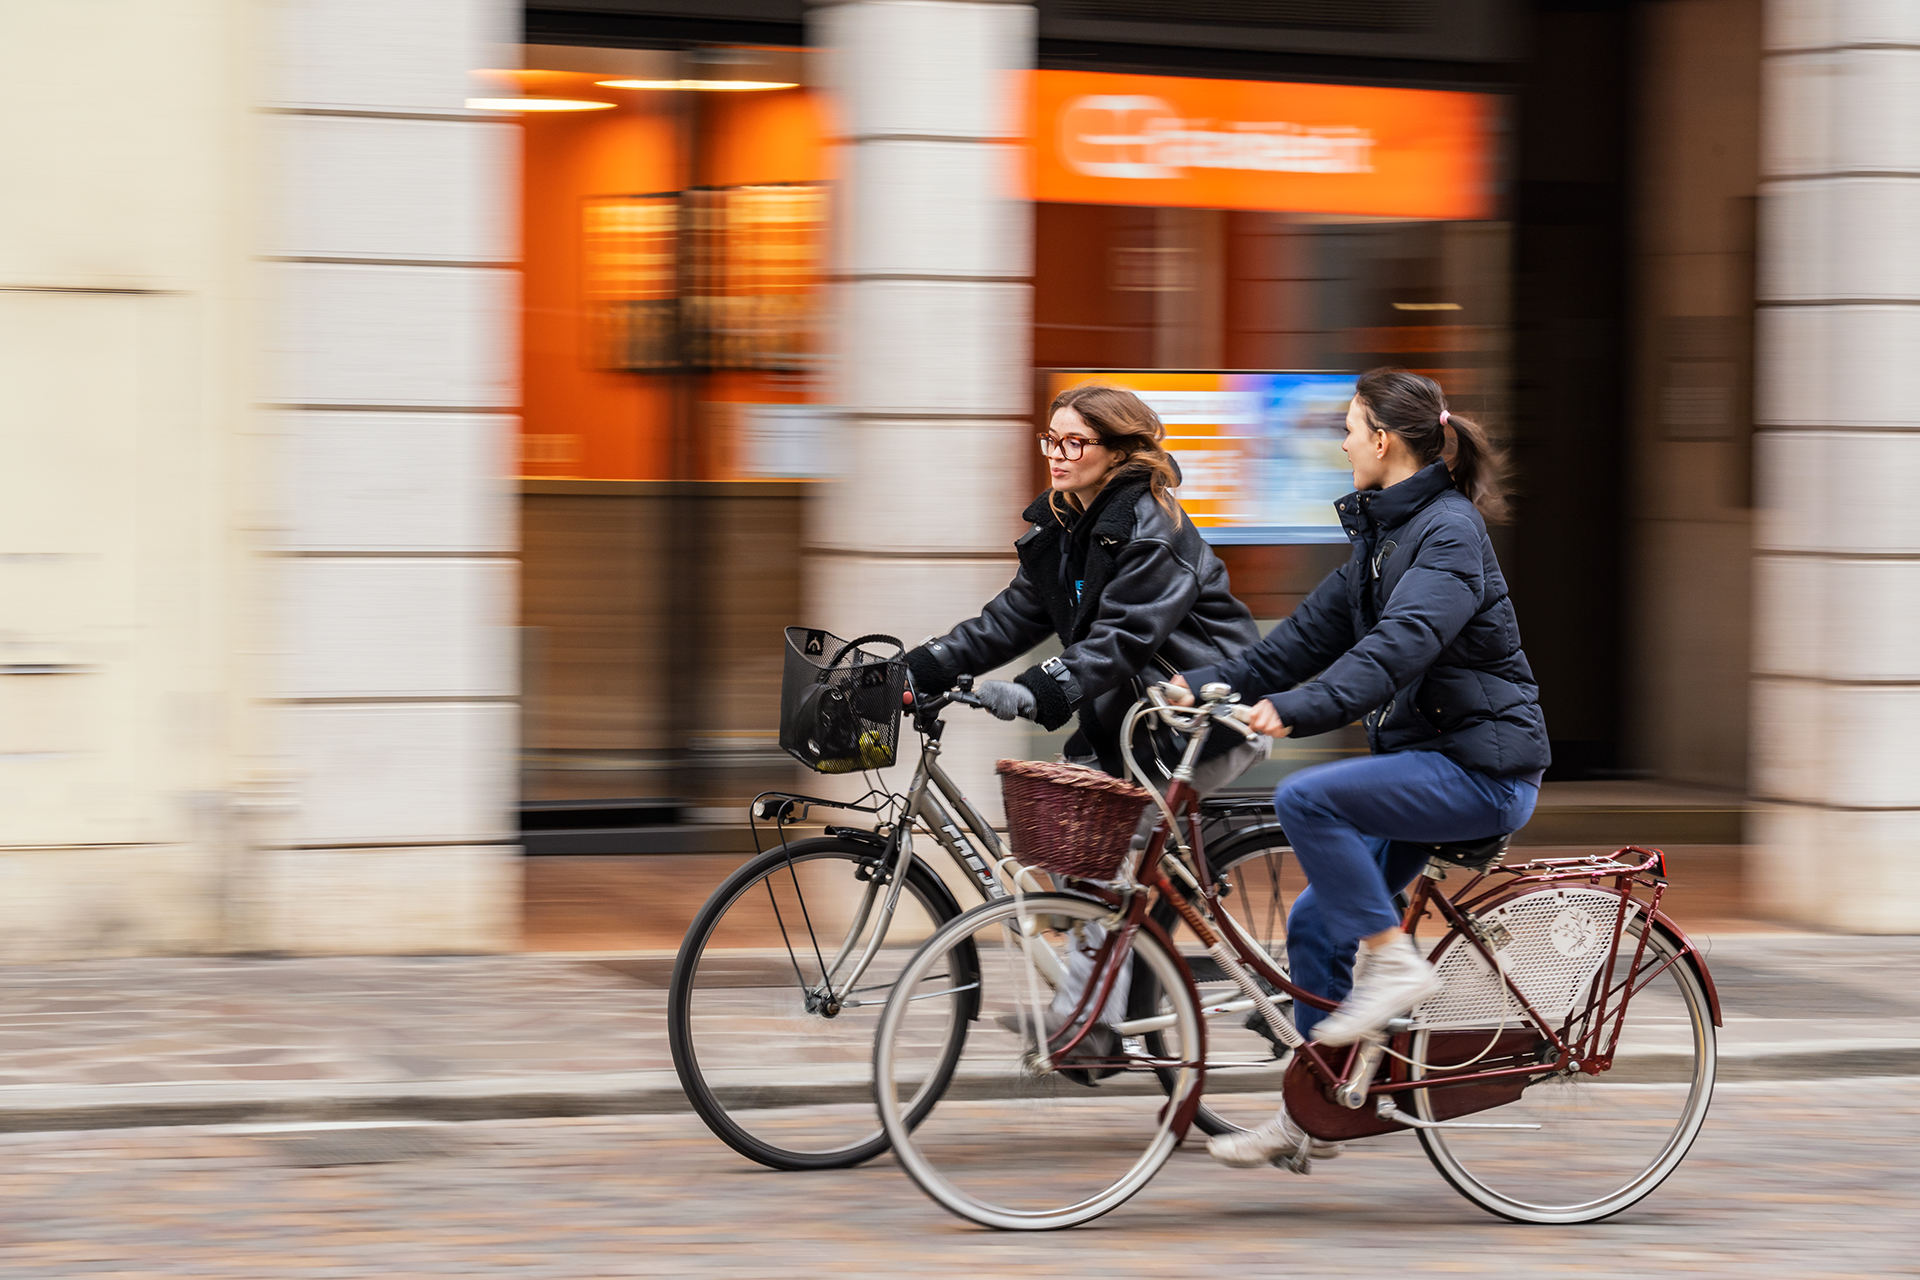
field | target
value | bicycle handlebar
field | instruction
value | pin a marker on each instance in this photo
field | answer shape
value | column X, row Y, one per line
column 1222, row 708
column 930, row 704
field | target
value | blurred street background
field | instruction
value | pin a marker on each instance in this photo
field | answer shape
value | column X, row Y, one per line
column 420, row 418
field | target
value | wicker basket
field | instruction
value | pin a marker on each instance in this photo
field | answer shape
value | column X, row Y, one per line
column 1069, row 819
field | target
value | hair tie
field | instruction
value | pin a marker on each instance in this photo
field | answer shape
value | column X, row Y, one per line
column 1443, row 417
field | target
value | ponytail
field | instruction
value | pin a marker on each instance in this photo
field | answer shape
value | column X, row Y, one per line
column 1413, row 407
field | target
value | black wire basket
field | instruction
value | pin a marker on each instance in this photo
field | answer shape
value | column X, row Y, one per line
column 840, row 702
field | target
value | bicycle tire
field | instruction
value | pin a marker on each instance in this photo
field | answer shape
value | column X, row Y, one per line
column 1237, row 854
column 1015, row 1145
column 1566, row 1172
column 806, row 1061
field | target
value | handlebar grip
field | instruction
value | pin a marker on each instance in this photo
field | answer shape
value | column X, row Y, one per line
column 1235, row 718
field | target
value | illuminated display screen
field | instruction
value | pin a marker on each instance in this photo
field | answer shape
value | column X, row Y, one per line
column 1259, row 453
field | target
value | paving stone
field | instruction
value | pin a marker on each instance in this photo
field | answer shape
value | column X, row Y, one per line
column 1789, row 1181
column 525, row 1035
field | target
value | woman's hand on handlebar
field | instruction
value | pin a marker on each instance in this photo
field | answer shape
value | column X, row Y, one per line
column 1006, row 699
column 1262, row 718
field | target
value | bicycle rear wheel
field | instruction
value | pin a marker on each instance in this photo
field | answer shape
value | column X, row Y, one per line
column 1603, row 1142
column 1016, row 1145
column 775, row 1055
column 1258, row 880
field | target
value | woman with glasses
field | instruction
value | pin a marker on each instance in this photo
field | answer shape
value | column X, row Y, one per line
column 1113, row 569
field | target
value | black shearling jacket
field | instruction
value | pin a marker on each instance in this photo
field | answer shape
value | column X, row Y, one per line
column 1415, row 634
column 1153, row 599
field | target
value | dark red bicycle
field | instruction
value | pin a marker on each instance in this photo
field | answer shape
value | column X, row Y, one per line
column 1559, row 1075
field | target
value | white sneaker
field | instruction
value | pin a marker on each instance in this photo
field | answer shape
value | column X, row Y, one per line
column 1277, row 1142
column 1393, row 980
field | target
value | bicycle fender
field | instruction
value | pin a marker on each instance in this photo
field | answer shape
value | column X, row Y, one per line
column 1221, row 853
column 1691, row 954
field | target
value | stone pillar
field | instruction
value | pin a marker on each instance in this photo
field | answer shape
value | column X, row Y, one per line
column 391, row 285
column 1837, row 617
column 931, row 329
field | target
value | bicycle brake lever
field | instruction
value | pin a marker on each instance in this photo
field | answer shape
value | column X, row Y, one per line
column 1234, row 718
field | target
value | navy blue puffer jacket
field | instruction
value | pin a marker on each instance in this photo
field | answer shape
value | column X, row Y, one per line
column 1415, row 634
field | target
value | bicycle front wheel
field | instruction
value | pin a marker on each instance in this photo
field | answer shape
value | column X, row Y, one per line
column 770, row 1025
column 1018, row 1143
column 1602, row 1142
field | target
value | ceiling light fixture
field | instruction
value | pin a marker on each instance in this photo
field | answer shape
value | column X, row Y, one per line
column 735, row 86
column 537, row 104
column 1426, row 306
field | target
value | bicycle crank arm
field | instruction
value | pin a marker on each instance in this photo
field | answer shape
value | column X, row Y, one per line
column 1353, row 1094
column 1385, row 1109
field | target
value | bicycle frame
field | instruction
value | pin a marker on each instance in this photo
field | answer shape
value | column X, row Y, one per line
column 977, row 853
column 1353, row 1081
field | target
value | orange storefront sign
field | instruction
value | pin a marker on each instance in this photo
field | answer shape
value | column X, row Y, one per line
column 1255, row 144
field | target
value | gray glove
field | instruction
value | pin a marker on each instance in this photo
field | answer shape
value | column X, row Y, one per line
column 1006, row 699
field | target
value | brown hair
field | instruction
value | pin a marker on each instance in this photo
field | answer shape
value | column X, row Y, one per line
column 1413, row 407
column 1127, row 426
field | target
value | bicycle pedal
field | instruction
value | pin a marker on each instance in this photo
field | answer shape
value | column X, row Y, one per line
column 1258, row 1025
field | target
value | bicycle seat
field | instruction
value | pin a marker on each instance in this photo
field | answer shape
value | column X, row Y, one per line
column 1474, row 855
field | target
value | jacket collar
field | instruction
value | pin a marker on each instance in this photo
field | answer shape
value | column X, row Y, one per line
column 1111, row 513
column 1109, row 521
column 1039, row 512
column 1394, row 505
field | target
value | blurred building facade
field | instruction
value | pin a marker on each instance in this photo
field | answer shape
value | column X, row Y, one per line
column 258, row 285
column 421, row 415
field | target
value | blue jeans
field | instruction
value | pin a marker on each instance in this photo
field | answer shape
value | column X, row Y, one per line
column 1343, row 820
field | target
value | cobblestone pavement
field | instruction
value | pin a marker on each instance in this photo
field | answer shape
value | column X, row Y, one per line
column 156, row 1021
column 1787, row 1180
column 119, row 1042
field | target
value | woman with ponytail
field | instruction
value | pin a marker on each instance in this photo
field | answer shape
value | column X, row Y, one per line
column 1416, row 637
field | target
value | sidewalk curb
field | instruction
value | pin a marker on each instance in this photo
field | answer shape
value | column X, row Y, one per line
column 32, row 1109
